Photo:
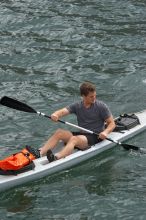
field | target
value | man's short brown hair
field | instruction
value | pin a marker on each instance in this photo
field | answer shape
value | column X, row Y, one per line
column 86, row 88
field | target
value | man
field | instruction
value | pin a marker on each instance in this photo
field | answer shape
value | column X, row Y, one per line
column 91, row 113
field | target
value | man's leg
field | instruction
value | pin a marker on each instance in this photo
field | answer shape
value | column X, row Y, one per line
column 60, row 134
column 79, row 141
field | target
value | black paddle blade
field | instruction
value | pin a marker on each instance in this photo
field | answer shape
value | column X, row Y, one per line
column 132, row 147
column 15, row 104
column 129, row 147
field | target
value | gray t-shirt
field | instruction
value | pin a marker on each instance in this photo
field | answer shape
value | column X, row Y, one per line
column 92, row 118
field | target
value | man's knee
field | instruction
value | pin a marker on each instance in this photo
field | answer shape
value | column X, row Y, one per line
column 59, row 133
column 74, row 140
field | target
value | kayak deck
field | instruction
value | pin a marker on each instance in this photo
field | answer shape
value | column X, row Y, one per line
column 44, row 168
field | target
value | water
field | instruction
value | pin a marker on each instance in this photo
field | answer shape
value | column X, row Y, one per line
column 47, row 49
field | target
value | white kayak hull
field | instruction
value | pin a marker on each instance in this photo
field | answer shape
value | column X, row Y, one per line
column 44, row 168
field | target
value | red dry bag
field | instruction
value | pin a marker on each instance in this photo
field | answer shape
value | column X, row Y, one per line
column 17, row 161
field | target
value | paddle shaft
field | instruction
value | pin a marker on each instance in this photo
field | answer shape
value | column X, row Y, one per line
column 68, row 123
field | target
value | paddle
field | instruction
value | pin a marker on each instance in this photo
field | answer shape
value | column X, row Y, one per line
column 15, row 104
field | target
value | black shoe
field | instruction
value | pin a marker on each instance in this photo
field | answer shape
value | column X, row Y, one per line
column 33, row 151
column 50, row 156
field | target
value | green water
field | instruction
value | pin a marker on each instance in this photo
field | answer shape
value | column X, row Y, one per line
column 47, row 49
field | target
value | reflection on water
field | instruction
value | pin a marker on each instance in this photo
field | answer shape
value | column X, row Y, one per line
column 101, row 184
column 17, row 200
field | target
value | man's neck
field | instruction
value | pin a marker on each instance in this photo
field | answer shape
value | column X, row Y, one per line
column 87, row 104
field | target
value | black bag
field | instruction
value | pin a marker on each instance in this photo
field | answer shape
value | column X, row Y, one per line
column 126, row 122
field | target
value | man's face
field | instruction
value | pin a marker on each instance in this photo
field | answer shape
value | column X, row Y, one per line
column 90, row 98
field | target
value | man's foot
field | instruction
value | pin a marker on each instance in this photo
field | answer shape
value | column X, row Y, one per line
column 50, row 156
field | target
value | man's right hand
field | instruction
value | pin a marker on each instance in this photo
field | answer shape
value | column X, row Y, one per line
column 54, row 117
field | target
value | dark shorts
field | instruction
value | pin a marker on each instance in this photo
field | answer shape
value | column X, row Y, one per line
column 92, row 138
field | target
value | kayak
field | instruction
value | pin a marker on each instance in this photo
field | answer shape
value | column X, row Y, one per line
column 43, row 168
